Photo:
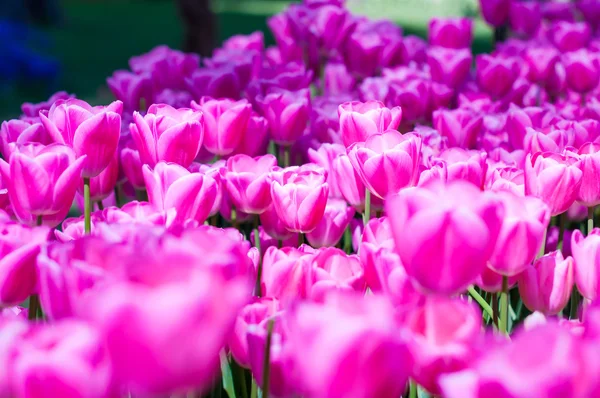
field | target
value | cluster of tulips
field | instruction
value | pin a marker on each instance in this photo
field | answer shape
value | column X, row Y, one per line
column 350, row 213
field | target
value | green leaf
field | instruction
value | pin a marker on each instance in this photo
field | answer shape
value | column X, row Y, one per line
column 227, row 376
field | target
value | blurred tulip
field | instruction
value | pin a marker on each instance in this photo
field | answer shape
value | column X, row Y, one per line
column 465, row 165
column 451, row 32
column 525, row 17
column 286, row 274
column 546, row 285
column 167, row 134
column 589, row 164
column 15, row 132
column 324, row 157
column 460, row 126
column 586, row 253
column 582, row 70
column 247, row 183
column 495, row 12
column 104, row 183
column 363, row 53
column 358, row 121
column 496, row 74
column 331, row 228
column 570, row 36
column 91, row 131
column 33, row 110
column 332, row 269
column 287, row 113
column 130, row 88
column 449, row 66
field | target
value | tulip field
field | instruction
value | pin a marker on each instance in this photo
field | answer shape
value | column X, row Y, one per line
column 352, row 212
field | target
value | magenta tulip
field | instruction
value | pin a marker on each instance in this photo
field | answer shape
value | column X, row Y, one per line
column 331, row 228
column 586, row 253
column 225, row 123
column 350, row 184
column 90, row 131
column 423, row 219
column 131, row 165
column 570, row 36
column 15, row 132
column 324, row 157
column 286, row 274
column 495, row 12
column 449, row 66
column 33, row 110
column 546, row 285
column 465, row 165
column 167, row 134
column 351, row 368
column 273, row 225
column 460, row 126
column 256, row 138
column 288, row 113
column 332, row 269
column 496, row 74
column 589, row 164
column 522, row 234
column 541, row 62
column 451, row 32
column 525, row 17
column 170, row 186
column 363, row 53
column 104, row 183
column 387, row 162
column 299, row 198
column 553, row 178
column 358, row 120
column 247, row 182
column 582, row 70
column 131, row 89
column 42, row 181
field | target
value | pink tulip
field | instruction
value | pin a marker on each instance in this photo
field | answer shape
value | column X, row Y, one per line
column 66, row 359
column 91, row 131
column 332, row 226
column 104, row 183
column 351, row 368
column 216, row 82
column 332, row 269
column 131, row 164
column 465, row 165
column 168, row 67
column 423, row 219
column 214, row 170
column 252, row 314
column 167, row 134
column 287, row 113
column 589, row 164
column 451, row 32
column 350, row 185
column 525, row 17
column 130, row 88
column 444, row 336
column 324, row 157
column 460, row 126
column 358, row 121
column 570, row 36
column 363, row 53
column 495, row 12
column 521, row 236
column 286, row 274
column 254, row 41
column 449, row 66
column 582, row 70
column 586, row 253
column 541, row 62
column 16, row 132
column 491, row 281
column 337, row 80
column 225, row 122
column 274, row 226
column 549, row 356
column 496, row 74
column 554, row 179
column 256, row 138
column 387, row 162
column 376, row 237
column 33, row 110
column 299, row 198
column 546, row 285
column 247, row 183
column 42, row 181
column 19, row 246
column 170, row 186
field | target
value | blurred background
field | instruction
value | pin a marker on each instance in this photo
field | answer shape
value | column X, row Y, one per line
column 74, row 45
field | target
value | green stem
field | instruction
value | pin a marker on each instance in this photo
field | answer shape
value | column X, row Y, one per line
column 257, row 291
column 34, row 307
column 412, row 393
column 590, row 223
column 562, row 220
column 234, row 223
column 88, row 205
column 481, row 301
column 286, row 156
column 254, row 389
column 348, row 240
column 39, row 221
column 267, row 359
column 574, row 303
column 543, row 246
column 504, row 306
column 367, row 213
column 495, row 310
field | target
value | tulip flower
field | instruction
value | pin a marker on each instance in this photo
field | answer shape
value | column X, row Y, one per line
column 424, row 218
column 525, row 17
column 363, row 53
column 130, row 88
column 387, row 162
column 91, row 131
column 42, row 181
column 582, row 70
column 168, row 67
column 589, row 164
column 331, row 228
column 496, row 75
column 460, row 126
column 225, row 122
column 586, row 253
column 247, row 183
column 62, row 359
column 16, row 132
column 546, row 285
column 332, row 269
column 131, row 164
column 170, row 186
column 256, row 138
column 449, row 66
column 33, row 110
column 554, row 179
column 521, row 235
column 358, row 120
column 350, row 185
column 299, row 198
column 104, row 183
column 167, row 134
column 465, row 165
column 254, row 41
column 324, row 157
column 541, row 62
column 351, row 368
column 495, row 12
column 285, row 274
column 287, row 113
column 215, row 82
column 451, row 32
column 444, row 335
column 570, row 36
